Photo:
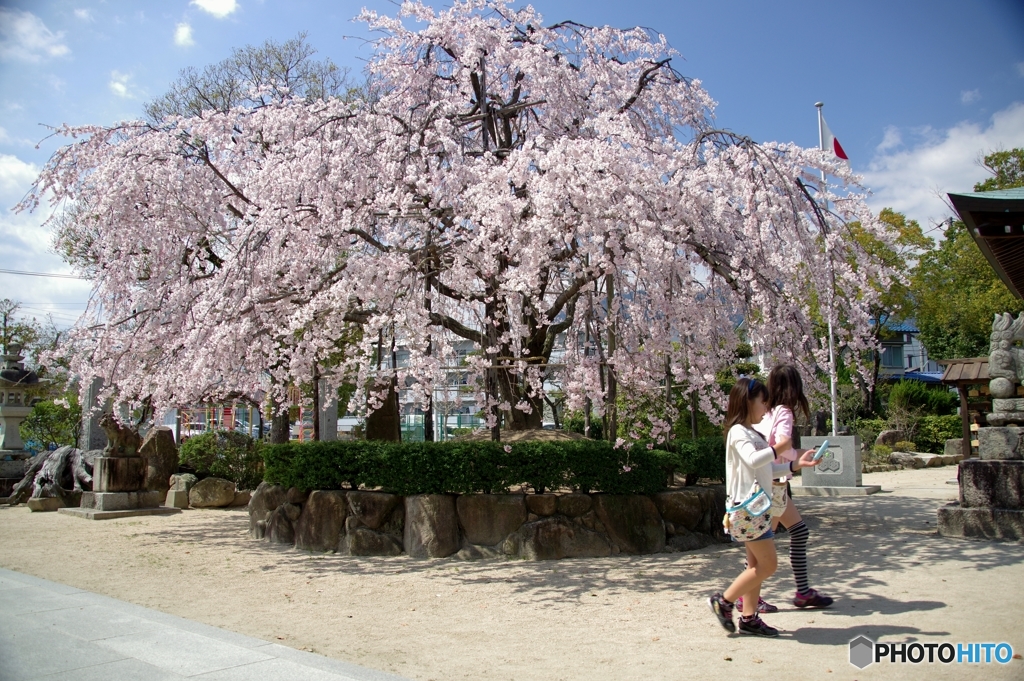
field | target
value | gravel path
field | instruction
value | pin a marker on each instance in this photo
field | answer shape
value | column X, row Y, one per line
column 639, row 617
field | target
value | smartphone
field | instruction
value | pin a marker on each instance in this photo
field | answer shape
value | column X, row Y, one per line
column 821, row 451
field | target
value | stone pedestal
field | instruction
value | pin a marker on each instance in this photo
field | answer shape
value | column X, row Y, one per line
column 119, row 491
column 119, row 474
column 838, row 474
column 991, row 504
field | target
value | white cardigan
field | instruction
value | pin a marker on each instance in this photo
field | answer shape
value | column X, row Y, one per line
column 749, row 458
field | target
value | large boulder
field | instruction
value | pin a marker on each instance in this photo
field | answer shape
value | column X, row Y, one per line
column 542, row 504
column 212, row 493
column 161, row 456
column 322, row 522
column 431, row 526
column 280, row 528
column 889, row 438
column 362, row 541
column 181, row 482
column 632, row 522
column 682, row 508
column 573, row 505
column 372, row 509
column 297, row 496
column 263, row 502
column 954, row 447
column 688, row 541
column 554, row 538
column 906, row 459
column 488, row 518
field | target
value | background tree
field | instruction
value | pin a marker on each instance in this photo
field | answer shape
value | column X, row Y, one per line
column 955, row 288
column 253, row 77
column 1007, row 168
column 895, row 301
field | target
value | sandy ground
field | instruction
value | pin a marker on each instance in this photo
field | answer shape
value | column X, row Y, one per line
column 645, row 617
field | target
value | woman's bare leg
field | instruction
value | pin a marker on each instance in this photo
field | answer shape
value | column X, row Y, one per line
column 748, row 584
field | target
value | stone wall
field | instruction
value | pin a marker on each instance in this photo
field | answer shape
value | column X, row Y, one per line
column 469, row 526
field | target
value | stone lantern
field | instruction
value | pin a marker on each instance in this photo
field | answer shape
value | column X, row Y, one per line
column 15, row 381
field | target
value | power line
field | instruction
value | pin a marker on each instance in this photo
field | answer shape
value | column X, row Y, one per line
column 41, row 274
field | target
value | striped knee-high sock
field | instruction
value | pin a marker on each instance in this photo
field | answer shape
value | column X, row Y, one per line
column 798, row 535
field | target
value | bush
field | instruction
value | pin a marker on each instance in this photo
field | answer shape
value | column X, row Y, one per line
column 909, row 395
column 703, row 457
column 224, row 454
column 933, row 431
column 879, row 454
column 868, row 429
column 905, row 446
column 468, row 467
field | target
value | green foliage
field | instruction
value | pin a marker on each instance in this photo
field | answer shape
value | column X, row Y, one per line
column 50, row 422
column 878, row 455
column 868, row 429
column 908, row 395
column 473, row 467
column 224, row 454
column 957, row 293
column 933, row 431
column 905, row 446
column 574, row 421
column 703, row 457
column 1007, row 168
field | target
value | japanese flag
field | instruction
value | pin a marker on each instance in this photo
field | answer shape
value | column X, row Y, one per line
column 830, row 142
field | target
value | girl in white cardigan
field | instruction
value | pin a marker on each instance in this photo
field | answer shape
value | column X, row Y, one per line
column 749, row 459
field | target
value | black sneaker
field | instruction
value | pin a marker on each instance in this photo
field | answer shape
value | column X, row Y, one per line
column 757, row 627
column 723, row 611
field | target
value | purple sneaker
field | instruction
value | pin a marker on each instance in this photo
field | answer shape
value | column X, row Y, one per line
column 763, row 606
column 811, row 599
column 757, row 627
column 723, row 611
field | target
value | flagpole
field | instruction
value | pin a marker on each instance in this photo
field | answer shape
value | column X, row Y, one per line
column 831, row 296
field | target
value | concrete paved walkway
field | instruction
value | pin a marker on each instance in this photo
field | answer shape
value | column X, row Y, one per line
column 56, row 632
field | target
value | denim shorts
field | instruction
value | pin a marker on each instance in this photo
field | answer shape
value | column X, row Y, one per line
column 769, row 534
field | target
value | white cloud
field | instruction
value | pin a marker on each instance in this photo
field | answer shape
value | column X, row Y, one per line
column 27, row 247
column 218, row 8
column 24, row 36
column 120, row 84
column 1020, row 68
column 183, row 35
column 915, row 180
column 892, row 139
column 968, row 96
column 84, row 14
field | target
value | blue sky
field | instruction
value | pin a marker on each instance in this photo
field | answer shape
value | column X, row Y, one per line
column 916, row 92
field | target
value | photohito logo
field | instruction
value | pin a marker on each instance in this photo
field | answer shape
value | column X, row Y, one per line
column 864, row 651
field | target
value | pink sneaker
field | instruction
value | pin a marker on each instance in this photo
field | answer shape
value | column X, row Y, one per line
column 811, row 599
column 763, row 606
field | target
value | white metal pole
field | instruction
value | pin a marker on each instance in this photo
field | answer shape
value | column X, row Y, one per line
column 831, row 289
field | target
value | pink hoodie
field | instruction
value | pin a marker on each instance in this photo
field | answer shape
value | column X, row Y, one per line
column 777, row 425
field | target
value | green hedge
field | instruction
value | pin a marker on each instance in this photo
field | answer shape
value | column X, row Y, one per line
column 933, row 431
column 224, row 454
column 486, row 467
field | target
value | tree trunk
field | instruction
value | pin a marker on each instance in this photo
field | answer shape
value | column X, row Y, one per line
column 56, row 474
column 383, row 424
column 611, row 408
column 316, row 404
column 279, row 425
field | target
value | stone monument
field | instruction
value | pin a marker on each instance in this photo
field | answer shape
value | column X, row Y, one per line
column 991, row 504
column 15, row 380
column 119, row 479
column 840, row 470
